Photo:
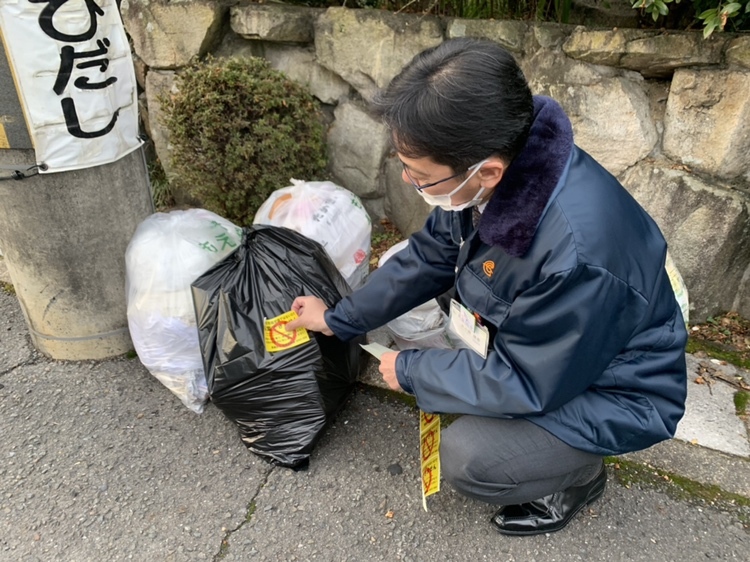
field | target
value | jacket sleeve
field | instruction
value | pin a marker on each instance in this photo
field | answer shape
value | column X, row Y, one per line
column 424, row 270
column 557, row 338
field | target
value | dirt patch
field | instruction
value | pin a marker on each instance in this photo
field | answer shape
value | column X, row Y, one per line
column 725, row 337
column 384, row 235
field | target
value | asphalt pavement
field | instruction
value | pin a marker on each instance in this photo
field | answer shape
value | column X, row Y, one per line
column 101, row 462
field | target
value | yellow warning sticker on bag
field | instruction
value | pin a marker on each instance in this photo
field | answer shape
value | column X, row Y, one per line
column 278, row 338
column 429, row 453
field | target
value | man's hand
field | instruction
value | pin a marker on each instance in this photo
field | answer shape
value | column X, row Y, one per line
column 311, row 312
column 388, row 370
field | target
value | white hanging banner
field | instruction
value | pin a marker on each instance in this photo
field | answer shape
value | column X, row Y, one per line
column 74, row 75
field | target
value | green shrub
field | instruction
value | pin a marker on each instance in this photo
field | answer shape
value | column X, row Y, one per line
column 239, row 131
column 715, row 14
column 161, row 190
column 542, row 10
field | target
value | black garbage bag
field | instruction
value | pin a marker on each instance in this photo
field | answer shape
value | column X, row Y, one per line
column 280, row 400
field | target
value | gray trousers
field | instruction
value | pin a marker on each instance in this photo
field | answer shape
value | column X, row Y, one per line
column 510, row 461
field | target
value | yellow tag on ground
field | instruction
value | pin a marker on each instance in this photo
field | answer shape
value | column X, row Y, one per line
column 429, row 453
column 278, row 338
column 3, row 137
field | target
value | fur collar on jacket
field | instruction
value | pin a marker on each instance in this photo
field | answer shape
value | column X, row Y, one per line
column 512, row 214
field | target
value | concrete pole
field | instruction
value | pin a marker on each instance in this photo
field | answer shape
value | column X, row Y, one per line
column 63, row 237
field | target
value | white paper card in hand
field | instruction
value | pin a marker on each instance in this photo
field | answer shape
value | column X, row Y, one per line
column 375, row 349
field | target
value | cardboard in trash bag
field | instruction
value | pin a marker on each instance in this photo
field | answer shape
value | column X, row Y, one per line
column 281, row 399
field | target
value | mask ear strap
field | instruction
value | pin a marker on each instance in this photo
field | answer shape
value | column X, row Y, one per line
column 475, row 169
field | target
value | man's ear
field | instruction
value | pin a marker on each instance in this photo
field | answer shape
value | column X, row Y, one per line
column 492, row 172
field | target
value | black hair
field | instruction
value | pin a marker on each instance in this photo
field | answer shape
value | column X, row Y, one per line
column 458, row 103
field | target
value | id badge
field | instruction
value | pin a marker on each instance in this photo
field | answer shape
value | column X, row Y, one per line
column 463, row 324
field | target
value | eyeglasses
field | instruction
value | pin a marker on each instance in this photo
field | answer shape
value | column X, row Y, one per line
column 418, row 187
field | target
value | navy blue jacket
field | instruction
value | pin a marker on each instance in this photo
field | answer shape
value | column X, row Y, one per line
column 567, row 272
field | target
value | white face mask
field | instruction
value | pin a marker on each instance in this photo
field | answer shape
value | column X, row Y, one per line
column 444, row 201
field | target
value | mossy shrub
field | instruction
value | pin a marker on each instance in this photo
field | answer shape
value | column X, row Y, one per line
column 240, row 130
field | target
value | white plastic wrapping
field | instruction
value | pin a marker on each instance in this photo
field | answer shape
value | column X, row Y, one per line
column 678, row 286
column 421, row 327
column 166, row 254
column 328, row 214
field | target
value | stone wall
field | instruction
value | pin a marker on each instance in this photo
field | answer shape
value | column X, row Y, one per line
column 667, row 113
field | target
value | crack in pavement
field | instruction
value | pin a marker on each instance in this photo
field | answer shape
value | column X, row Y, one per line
column 33, row 356
column 224, row 546
column 30, row 361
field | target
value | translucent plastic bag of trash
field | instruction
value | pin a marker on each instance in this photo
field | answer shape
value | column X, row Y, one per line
column 166, row 254
column 328, row 214
column 679, row 287
column 421, row 327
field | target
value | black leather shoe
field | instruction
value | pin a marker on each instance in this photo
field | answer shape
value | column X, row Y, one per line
column 550, row 513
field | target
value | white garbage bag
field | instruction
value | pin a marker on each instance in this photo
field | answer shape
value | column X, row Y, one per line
column 678, row 286
column 421, row 327
column 328, row 214
column 166, row 254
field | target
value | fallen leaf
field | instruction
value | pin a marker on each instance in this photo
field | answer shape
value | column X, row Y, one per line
column 389, row 514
